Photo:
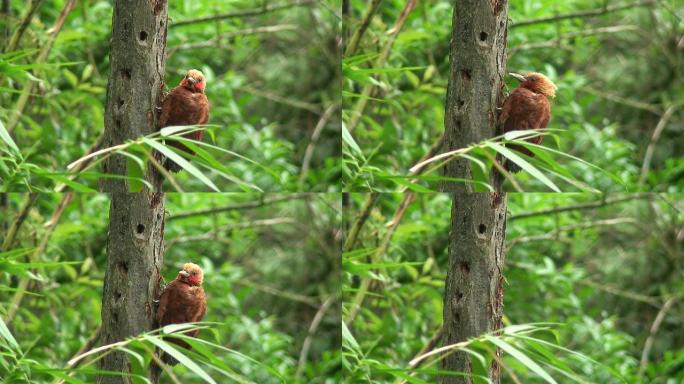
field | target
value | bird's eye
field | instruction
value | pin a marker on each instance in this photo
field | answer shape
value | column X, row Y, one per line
column 194, row 273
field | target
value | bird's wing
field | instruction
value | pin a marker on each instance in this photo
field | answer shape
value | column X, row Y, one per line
column 204, row 106
column 203, row 306
column 166, row 109
column 164, row 302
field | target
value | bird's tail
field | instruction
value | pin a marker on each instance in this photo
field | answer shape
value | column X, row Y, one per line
column 170, row 165
column 155, row 369
column 511, row 166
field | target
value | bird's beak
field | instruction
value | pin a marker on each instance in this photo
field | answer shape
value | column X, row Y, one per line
column 185, row 274
column 191, row 81
column 517, row 76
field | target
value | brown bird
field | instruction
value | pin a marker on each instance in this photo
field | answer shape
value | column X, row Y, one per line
column 185, row 105
column 527, row 107
column 182, row 301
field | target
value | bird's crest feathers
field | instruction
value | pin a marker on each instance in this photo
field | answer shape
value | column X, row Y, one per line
column 191, row 273
column 540, row 84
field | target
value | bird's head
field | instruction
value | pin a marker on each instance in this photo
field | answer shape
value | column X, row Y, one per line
column 537, row 82
column 194, row 81
column 191, row 274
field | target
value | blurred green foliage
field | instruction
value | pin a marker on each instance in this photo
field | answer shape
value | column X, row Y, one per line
column 271, row 76
column 618, row 72
column 600, row 269
column 271, row 263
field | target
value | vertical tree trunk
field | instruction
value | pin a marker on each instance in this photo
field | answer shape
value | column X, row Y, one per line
column 136, row 220
column 135, row 81
column 134, row 259
column 478, row 64
column 473, row 296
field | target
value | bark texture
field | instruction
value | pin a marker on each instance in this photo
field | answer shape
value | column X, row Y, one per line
column 136, row 220
column 131, row 284
column 135, row 81
column 473, row 297
column 478, row 64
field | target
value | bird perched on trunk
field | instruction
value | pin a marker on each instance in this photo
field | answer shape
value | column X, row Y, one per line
column 527, row 107
column 182, row 301
column 186, row 104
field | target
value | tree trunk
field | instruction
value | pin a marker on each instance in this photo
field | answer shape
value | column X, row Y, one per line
column 478, row 64
column 473, row 296
column 136, row 220
column 131, row 284
column 135, row 81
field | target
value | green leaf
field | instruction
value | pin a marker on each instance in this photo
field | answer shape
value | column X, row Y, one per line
column 166, row 347
column 521, row 357
column 5, row 136
column 178, row 159
column 7, row 335
column 511, row 155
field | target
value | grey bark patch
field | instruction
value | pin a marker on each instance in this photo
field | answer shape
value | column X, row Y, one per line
column 477, row 55
column 473, row 295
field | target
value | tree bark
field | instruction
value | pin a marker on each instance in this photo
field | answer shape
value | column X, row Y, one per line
column 473, row 296
column 136, row 220
column 136, row 77
column 134, row 259
column 478, row 64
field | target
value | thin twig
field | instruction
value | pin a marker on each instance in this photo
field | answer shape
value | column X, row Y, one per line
column 554, row 235
column 393, row 32
column 373, row 7
column 555, row 42
column 582, row 14
column 248, row 224
column 662, row 123
column 81, row 165
column 283, row 100
column 409, row 197
column 652, row 301
column 310, row 301
column 623, row 100
column 262, row 201
column 25, row 21
column 576, row 207
column 311, row 333
column 34, row 256
column 42, row 58
column 89, row 344
column 431, row 344
column 648, row 345
column 216, row 41
column 243, row 13
column 312, row 144
column 11, row 234
column 349, row 242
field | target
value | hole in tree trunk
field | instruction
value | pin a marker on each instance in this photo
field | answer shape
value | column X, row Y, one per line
column 126, row 73
column 140, row 228
column 483, row 36
column 465, row 267
column 143, row 35
column 123, row 266
column 482, row 229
